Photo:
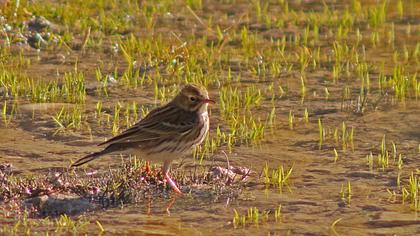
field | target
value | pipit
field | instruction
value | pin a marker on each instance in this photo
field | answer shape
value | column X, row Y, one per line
column 166, row 133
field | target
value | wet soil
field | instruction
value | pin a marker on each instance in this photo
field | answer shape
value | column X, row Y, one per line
column 312, row 200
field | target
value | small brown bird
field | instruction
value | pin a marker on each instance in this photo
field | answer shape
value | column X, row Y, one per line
column 166, row 133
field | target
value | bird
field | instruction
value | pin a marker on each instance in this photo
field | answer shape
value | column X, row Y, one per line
column 166, row 133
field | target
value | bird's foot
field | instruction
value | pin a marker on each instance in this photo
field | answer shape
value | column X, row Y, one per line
column 172, row 184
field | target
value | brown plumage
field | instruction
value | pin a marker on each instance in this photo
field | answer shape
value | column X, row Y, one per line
column 166, row 133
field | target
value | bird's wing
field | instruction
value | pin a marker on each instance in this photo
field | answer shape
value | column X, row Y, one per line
column 159, row 123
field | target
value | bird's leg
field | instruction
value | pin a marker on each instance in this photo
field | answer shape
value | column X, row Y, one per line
column 169, row 206
column 147, row 169
column 172, row 183
column 165, row 171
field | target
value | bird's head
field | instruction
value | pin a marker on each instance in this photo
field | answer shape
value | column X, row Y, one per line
column 193, row 98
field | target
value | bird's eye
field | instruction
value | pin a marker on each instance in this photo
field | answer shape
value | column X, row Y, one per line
column 193, row 99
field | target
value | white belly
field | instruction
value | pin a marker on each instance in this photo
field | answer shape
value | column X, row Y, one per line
column 205, row 117
column 157, row 156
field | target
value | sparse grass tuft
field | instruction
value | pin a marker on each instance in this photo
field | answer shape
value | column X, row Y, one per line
column 279, row 177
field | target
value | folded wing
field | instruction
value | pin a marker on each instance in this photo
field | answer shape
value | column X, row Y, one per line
column 160, row 123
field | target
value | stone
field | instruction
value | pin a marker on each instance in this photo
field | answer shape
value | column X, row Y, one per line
column 38, row 23
column 58, row 204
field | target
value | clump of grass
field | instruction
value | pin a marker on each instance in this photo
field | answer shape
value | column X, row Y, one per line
column 210, row 145
column 347, row 135
column 248, row 41
column 18, row 84
column 245, row 126
column 121, row 114
column 291, row 119
column 103, row 82
column 98, row 111
column 411, row 192
column 116, row 119
column 69, row 119
column 73, row 89
column 62, row 225
column 377, row 14
column 13, row 83
column 404, row 84
column 383, row 157
column 306, row 115
column 163, row 94
column 386, row 157
column 195, row 4
column 278, row 178
column 8, row 114
column 271, row 118
column 277, row 214
column 341, row 133
column 369, row 159
column 346, row 192
column 335, row 155
column 321, row 133
column 253, row 217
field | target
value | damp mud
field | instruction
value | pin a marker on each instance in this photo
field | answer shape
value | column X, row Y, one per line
column 314, row 131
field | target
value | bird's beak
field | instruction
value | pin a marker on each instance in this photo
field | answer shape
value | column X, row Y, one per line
column 207, row 100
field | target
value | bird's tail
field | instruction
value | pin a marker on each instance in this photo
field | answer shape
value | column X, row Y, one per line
column 87, row 159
